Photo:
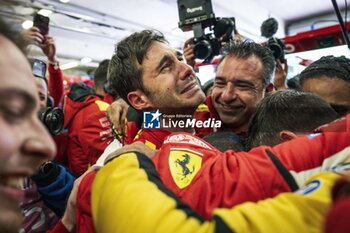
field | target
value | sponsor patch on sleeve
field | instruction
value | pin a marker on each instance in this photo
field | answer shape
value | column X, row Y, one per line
column 310, row 187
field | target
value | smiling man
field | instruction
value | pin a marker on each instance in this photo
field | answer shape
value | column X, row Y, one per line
column 243, row 75
column 24, row 143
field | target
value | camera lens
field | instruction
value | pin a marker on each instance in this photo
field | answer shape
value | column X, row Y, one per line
column 202, row 49
column 277, row 48
column 53, row 119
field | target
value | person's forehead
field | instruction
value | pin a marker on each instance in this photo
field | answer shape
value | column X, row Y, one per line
column 234, row 67
column 321, row 84
column 157, row 49
column 15, row 71
column 251, row 62
column 40, row 83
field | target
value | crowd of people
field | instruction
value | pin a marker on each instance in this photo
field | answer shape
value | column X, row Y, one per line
column 276, row 161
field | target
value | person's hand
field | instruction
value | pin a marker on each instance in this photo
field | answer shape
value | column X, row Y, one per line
column 33, row 36
column 280, row 75
column 49, row 48
column 46, row 43
column 237, row 37
column 188, row 52
column 134, row 147
column 116, row 114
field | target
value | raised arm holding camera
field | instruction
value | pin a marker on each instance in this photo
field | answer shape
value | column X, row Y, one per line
column 268, row 29
column 48, row 47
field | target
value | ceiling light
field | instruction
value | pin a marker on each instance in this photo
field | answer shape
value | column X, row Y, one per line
column 45, row 12
column 85, row 60
column 64, row 1
column 27, row 24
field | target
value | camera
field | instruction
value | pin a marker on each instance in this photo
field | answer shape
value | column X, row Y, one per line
column 197, row 15
column 277, row 47
column 53, row 119
column 268, row 29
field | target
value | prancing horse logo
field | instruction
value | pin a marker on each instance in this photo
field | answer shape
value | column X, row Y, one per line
column 184, row 164
column 185, row 170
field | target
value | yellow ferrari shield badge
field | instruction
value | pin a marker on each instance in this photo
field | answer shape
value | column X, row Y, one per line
column 184, row 165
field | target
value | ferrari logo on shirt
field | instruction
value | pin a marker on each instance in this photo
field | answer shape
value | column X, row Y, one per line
column 184, row 165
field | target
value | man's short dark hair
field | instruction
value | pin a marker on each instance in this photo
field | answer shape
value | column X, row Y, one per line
column 248, row 49
column 329, row 66
column 8, row 31
column 224, row 141
column 298, row 112
column 100, row 75
column 125, row 72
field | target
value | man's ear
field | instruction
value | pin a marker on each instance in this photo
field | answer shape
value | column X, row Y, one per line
column 139, row 100
column 286, row 135
column 269, row 88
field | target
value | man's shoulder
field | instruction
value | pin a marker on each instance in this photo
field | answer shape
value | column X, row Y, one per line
column 95, row 103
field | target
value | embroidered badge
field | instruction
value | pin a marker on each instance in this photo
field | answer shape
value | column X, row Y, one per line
column 184, row 165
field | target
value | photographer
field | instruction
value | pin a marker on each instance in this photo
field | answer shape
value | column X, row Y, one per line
column 55, row 86
column 52, row 117
column 48, row 47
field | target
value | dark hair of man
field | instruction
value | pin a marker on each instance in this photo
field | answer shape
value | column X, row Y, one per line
column 124, row 71
column 248, row 49
column 329, row 66
column 100, row 74
column 294, row 83
column 8, row 29
column 298, row 112
column 224, row 141
column 13, row 36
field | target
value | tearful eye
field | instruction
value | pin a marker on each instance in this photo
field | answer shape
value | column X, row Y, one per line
column 166, row 67
column 181, row 59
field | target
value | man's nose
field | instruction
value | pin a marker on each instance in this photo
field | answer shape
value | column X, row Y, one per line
column 229, row 93
column 39, row 143
column 185, row 71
